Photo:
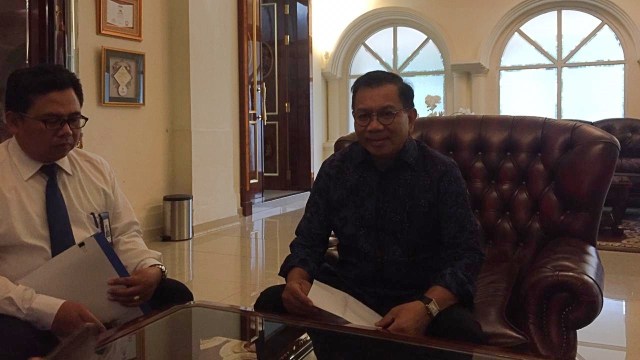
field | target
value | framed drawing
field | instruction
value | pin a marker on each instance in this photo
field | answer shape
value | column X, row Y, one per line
column 122, row 77
column 121, row 18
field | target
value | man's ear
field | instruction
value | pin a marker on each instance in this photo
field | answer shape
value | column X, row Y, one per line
column 412, row 115
column 12, row 120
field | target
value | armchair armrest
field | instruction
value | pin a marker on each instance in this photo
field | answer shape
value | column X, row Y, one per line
column 562, row 293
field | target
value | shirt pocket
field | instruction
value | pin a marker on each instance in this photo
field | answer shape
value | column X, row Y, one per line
column 84, row 227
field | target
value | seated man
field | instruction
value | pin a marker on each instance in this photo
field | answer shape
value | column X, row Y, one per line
column 48, row 191
column 408, row 240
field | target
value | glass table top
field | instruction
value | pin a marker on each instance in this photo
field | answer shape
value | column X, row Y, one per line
column 204, row 330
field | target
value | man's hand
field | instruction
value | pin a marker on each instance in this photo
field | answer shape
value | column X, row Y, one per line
column 294, row 296
column 410, row 318
column 72, row 316
column 138, row 288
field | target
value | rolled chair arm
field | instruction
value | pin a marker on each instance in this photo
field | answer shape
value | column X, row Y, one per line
column 562, row 293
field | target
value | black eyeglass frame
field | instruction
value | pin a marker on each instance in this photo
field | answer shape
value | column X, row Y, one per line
column 377, row 114
column 55, row 123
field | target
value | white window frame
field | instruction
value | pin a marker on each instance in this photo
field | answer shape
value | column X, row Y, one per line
column 493, row 47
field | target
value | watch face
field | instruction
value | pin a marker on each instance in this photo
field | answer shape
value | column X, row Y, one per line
column 431, row 305
column 163, row 269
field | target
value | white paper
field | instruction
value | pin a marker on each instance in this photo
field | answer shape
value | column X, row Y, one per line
column 80, row 274
column 342, row 304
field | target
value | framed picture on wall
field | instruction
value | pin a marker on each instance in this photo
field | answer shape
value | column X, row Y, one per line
column 121, row 18
column 122, row 77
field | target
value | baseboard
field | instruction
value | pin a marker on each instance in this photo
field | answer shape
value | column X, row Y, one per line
column 155, row 234
column 261, row 211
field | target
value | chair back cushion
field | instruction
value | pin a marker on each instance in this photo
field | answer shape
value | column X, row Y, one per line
column 627, row 131
column 531, row 180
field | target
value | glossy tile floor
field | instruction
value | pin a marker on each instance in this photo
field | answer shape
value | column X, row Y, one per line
column 233, row 264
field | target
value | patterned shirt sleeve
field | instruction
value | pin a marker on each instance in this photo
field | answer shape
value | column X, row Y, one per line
column 312, row 234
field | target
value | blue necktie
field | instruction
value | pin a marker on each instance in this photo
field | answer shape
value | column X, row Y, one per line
column 60, row 232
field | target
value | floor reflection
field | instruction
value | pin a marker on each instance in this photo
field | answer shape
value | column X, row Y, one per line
column 234, row 264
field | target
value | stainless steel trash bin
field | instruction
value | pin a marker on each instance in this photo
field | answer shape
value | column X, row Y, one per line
column 178, row 217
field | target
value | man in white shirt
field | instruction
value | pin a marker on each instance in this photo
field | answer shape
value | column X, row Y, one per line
column 42, row 112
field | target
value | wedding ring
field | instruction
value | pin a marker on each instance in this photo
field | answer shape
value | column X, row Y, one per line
column 136, row 298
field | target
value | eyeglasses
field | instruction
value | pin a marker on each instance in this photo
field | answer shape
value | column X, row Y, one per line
column 75, row 121
column 384, row 117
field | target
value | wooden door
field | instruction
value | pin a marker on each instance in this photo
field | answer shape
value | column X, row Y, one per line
column 31, row 32
column 286, row 51
column 251, row 103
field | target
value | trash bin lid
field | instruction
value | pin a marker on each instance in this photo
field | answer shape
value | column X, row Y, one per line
column 177, row 197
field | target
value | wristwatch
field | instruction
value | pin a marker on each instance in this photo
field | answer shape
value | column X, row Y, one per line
column 432, row 306
column 162, row 268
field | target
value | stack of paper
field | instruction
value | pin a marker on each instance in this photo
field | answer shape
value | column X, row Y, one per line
column 80, row 274
column 342, row 304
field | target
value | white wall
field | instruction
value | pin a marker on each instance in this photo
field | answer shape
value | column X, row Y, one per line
column 215, row 114
column 136, row 141
column 185, row 138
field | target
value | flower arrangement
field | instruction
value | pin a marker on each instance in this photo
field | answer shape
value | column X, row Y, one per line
column 432, row 102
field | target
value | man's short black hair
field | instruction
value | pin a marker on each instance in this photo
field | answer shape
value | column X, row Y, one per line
column 24, row 85
column 378, row 78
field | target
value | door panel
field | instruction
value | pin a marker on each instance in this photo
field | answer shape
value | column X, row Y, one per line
column 275, row 100
column 275, row 131
column 300, row 82
column 251, row 103
column 287, row 152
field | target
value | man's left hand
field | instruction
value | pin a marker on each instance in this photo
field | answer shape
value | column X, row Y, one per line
column 138, row 288
column 409, row 318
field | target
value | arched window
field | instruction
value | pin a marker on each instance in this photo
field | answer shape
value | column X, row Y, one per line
column 407, row 52
column 563, row 64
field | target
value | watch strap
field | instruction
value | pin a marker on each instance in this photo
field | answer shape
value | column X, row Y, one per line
column 431, row 305
column 162, row 268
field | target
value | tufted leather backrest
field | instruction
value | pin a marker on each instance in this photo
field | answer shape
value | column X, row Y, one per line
column 627, row 131
column 531, row 181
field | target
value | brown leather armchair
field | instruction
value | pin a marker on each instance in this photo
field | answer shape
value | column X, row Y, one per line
column 627, row 131
column 537, row 187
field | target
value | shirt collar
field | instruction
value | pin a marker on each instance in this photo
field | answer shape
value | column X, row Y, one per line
column 27, row 166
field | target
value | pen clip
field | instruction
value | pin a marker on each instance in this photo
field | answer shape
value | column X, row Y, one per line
column 95, row 220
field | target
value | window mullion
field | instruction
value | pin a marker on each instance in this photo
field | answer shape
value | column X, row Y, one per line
column 527, row 67
column 421, row 73
column 375, row 55
column 537, row 46
column 395, row 48
column 559, row 63
column 584, row 41
column 413, row 55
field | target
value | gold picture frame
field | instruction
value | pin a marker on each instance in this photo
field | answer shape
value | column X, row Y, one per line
column 122, row 77
column 120, row 18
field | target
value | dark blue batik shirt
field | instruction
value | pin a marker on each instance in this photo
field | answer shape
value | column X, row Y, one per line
column 401, row 230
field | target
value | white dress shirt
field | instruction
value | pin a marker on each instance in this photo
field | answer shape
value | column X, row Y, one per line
column 88, row 185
